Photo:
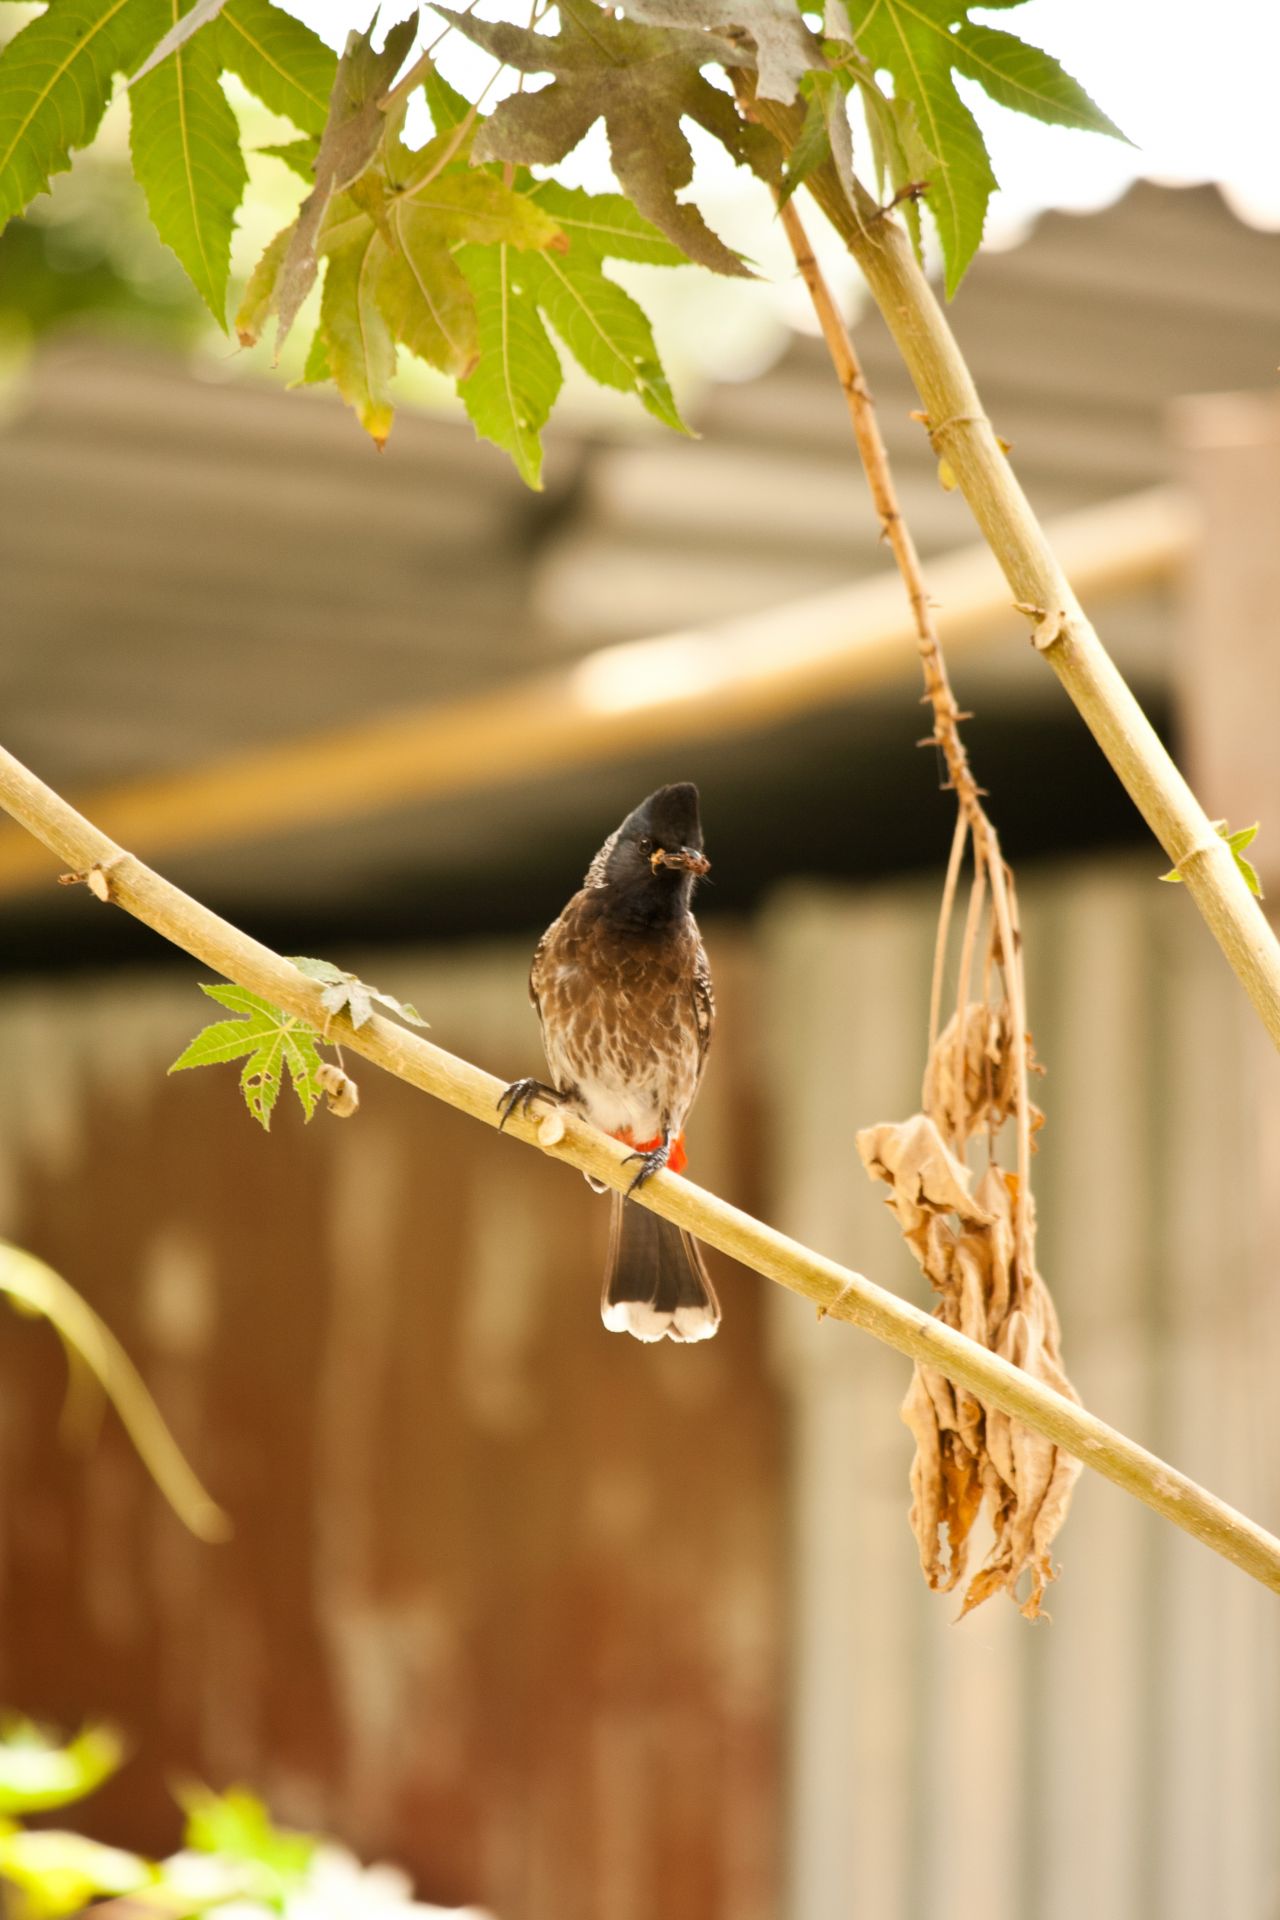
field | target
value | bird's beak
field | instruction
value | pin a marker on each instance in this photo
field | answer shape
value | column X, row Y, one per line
column 688, row 860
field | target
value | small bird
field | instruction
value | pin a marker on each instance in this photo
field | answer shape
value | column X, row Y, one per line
column 623, row 993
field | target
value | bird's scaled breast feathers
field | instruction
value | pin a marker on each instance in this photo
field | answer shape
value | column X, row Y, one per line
column 622, row 1010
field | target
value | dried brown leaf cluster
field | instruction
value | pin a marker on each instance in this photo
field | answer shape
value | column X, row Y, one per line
column 966, row 1239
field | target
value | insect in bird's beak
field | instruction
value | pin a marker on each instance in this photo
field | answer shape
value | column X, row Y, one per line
column 688, row 860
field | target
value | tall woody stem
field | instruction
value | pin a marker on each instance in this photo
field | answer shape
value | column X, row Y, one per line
column 959, row 426
column 988, row 858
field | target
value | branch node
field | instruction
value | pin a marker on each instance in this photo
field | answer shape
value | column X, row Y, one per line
column 96, row 878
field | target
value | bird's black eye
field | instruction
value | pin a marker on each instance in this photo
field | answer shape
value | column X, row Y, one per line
column 646, row 844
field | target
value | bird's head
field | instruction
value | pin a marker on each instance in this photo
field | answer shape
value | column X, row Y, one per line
column 651, row 863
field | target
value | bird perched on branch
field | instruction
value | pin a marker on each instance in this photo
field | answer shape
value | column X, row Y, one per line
column 623, row 993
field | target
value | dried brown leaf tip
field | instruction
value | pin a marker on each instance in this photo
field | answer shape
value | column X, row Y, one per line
column 975, row 1240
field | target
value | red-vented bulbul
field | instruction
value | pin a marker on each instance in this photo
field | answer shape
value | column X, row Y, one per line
column 622, row 989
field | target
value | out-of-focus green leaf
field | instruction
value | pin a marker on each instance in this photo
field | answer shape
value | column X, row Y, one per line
column 36, row 1773
column 60, row 1873
column 298, row 155
column 237, row 1827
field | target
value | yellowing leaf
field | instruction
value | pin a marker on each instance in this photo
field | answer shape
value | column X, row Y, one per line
column 352, row 132
column 259, row 295
column 357, row 338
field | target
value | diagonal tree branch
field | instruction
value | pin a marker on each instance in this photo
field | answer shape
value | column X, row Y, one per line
column 960, row 429
column 836, row 1291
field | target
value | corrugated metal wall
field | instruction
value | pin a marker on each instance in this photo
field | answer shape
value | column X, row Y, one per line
column 582, row 1629
column 502, row 1603
column 1123, row 1761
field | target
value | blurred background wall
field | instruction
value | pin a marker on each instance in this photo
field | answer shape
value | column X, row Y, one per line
column 568, row 1626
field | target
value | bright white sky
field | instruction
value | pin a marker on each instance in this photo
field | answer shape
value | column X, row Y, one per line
column 1194, row 88
column 1197, row 104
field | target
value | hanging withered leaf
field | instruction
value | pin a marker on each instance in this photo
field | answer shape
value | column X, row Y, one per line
column 350, row 139
column 969, row 1453
column 641, row 81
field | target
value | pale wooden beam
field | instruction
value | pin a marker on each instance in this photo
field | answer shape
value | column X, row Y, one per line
column 1227, row 682
column 735, row 677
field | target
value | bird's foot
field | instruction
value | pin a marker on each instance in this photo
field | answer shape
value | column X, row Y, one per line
column 520, row 1096
column 652, row 1160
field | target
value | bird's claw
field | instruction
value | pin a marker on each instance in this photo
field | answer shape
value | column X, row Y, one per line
column 650, row 1163
column 520, row 1096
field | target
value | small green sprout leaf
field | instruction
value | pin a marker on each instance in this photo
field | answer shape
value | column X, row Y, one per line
column 347, row 993
column 268, row 1041
column 1238, row 840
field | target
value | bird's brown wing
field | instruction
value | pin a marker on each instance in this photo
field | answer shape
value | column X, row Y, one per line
column 704, row 1006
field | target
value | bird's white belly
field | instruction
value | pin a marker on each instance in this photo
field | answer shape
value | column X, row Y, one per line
column 608, row 1098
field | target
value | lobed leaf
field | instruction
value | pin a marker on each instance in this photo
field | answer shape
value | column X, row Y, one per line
column 912, row 39
column 268, row 1040
column 425, row 298
column 298, row 155
column 358, row 341
column 785, row 49
column 607, row 224
column 56, row 76
column 1026, row 79
column 199, row 15
column 353, row 128
column 510, row 395
column 603, row 328
column 185, row 142
column 642, row 81
column 287, row 66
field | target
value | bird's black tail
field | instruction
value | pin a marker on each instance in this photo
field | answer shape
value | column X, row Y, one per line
column 655, row 1284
